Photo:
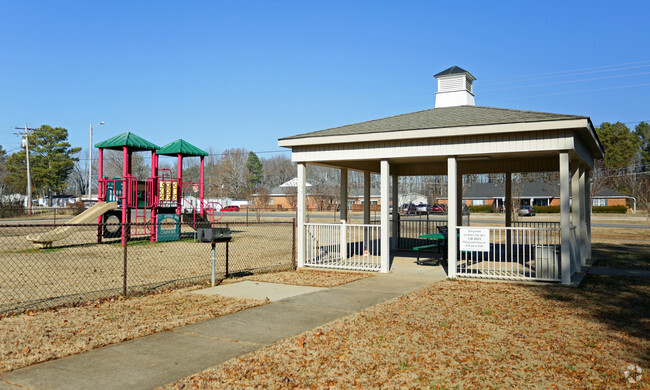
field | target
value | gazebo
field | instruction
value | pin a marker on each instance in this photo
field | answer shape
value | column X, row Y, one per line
column 455, row 138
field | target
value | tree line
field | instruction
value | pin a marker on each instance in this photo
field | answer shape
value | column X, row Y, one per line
column 57, row 168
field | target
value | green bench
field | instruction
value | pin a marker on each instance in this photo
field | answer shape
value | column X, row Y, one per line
column 423, row 247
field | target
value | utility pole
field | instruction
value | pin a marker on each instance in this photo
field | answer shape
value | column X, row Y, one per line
column 90, row 161
column 25, row 143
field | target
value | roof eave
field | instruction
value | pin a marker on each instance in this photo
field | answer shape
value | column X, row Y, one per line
column 457, row 131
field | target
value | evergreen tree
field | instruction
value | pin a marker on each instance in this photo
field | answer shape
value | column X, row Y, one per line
column 622, row 146
column 51, row 161
column 255, row 170
column 3, row 170
column 643, row 131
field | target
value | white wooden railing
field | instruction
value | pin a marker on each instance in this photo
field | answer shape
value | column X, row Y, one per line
column 343, row 246
column 513, row 253
column 536, row 224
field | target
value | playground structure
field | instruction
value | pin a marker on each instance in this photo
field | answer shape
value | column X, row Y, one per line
column 153, row 206
column 44, row 240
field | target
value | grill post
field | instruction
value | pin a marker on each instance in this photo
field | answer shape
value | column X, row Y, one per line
column 213, row 261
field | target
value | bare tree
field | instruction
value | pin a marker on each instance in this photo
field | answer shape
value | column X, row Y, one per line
column 79, row 175
column 291, row 193
column 261, row 201
column 140, row 166
column 231, row 173
column 277, row 170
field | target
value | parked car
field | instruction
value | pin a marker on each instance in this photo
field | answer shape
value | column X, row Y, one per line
column 231, row 208
column 422, row 208
column 526, row 210
column 438, row 209
column 409, row 209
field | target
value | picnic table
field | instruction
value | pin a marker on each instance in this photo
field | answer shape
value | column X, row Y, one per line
column 439, row 238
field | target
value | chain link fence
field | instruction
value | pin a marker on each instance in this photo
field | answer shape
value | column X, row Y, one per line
column 78, row 268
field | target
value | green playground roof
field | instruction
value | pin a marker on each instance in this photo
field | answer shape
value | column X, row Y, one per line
column 181, row 147
column 129, row 140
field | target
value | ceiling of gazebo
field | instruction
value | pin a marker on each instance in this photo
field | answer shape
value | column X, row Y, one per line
column 545, row 161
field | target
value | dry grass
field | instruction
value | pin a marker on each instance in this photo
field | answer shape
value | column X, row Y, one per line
column 39, row 336
column 35, row 337
column 306, row 277
column 466, row 334
column 462, row 334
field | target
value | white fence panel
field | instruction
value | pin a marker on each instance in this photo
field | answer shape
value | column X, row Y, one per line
column 512, row 253
column 343, row 246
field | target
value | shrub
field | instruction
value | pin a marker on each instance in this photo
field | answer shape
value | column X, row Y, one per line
column 546, row 209
column 77, row 207
column 609, row 209
column 12, row 208
column 481, row 209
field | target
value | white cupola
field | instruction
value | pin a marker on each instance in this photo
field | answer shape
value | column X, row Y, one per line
column 454, row 88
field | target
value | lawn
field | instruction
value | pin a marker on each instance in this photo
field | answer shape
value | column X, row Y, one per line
column 38, row 336
column 468, row 334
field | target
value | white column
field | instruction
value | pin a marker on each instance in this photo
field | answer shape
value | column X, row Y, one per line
column 565, row 221
column 452, row 209
column 395, row 202
column 301, row 204
column 588, row 205
column 385, row 237
column 366, row 198
column 582, row 226
column 344, row 194
column 575, row 214
column 508, row 207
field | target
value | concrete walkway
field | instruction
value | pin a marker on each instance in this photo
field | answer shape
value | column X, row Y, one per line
column 164, row 357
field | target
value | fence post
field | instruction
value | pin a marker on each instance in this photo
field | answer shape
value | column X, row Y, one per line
column 293, row 244
column 227, row 246
column 343, row 250
column 428, row 229
column 399, row 228
column 124, row 287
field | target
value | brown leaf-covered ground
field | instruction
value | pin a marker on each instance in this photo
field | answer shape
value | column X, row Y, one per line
column 463, row 334
column 469, row 334
column 306, row 277
column 39, row 336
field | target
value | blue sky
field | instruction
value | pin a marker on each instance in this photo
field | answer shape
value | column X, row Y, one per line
column 245, row 73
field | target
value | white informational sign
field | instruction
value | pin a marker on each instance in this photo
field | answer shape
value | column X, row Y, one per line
column 475, row 240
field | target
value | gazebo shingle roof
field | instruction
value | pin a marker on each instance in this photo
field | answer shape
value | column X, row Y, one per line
column 458, row 116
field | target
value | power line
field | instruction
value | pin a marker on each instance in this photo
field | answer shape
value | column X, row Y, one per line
column 568, row 81
column 404, row 95
column 574, row 92
column 573, row 70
